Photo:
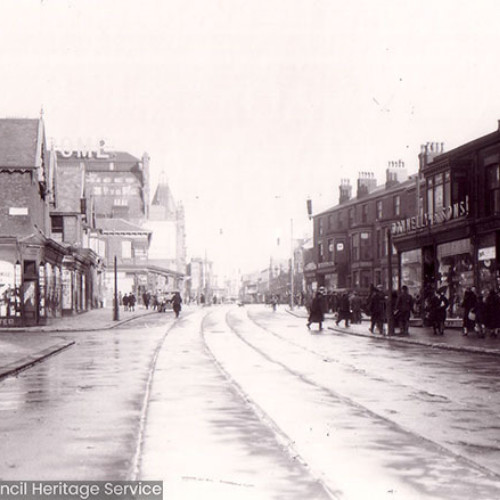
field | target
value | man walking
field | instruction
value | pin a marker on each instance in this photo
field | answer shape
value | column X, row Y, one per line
column 404, row 308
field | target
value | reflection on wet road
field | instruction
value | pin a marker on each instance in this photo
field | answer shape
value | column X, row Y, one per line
column 75, row 415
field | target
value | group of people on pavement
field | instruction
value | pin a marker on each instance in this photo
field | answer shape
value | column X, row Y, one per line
column 128, row 301
column 481, row 312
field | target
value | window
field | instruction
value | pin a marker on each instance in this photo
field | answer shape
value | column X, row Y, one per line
column 57, row 228
column 126, row 249
column 330, row 250
column 438, row 193
column 340, row 220
column 364, row 213
column 365, row 246
column 397, row 205
column 330, row 221
column 430, row 196
column 320, row 252
column 320, row 227
column 447, row 189
column 355, row 246
column 493, row 190
column 351, row 217
column 380, row 211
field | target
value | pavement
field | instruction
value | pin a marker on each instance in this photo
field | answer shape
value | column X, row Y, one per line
column 21, row 348
column 453, row 339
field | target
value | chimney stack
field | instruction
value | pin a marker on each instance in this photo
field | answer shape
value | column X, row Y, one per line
column 396, row 172
column 345, row 190
column 366, row 183
column 428, row 152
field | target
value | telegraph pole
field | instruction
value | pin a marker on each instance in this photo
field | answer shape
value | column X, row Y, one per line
column 292, row 266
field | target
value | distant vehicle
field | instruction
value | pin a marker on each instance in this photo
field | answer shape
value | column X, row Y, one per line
column 164, row 301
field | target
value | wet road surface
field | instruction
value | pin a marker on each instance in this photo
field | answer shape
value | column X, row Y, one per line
column 76, row 415
column 365, row 420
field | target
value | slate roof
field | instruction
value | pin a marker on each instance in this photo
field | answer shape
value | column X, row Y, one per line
column 18, row 142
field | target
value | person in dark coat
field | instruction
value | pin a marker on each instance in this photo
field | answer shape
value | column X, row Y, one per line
column 492, row 313
column 317, row 310
column 356, row 307
column 176, row 304
column 404, row 308
column 438, row 304
column 344, row 310
column 376, row 307
column 131, row 302
column 125, row 302
column 468, row 304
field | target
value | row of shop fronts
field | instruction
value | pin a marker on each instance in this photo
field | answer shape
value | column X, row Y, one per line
column 41, row 280
column 439, row 229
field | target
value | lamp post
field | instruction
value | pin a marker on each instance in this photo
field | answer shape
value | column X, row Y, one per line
column 116, row 309
column 292, row 266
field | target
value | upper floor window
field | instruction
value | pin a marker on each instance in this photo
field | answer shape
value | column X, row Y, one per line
column 380, row 210
column 397, row 205
column 320, row 226
column 351, row 217
column 364, row 213
column 340, row 220
column 493, row 190
column 321, row 253
column 330, row 249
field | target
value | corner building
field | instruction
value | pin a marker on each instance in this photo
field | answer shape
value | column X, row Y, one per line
column 452, row 239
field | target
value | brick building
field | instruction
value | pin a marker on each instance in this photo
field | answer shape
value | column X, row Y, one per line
column 41, row 275
column 350, row 239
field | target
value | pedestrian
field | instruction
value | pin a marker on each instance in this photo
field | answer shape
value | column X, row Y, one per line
column 317, row 310
column 479, row 326
column 274, row 302
column 377, row 309
column 344, row 310
column 176, row 304
column 468, row 305
column 125, row 302
column 145, row 299
column 404, row 308
column 438, row 304
column 356, row 307
column 492, row 313
column 131, row 301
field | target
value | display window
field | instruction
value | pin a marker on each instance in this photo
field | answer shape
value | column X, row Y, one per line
column 455, row 272
column 411, row 271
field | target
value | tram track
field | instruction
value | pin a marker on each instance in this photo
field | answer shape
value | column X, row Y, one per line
column 239, row 329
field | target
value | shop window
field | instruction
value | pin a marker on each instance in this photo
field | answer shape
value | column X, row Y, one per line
column 455, row 272
column 411, row 271
column 493, row 190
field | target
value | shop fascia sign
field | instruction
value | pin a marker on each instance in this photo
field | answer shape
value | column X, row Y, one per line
column 458, row 210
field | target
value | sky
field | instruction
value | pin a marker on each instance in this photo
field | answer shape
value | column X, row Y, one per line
column 251, row 108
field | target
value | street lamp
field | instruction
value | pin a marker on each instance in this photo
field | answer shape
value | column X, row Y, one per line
column 116, row 309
